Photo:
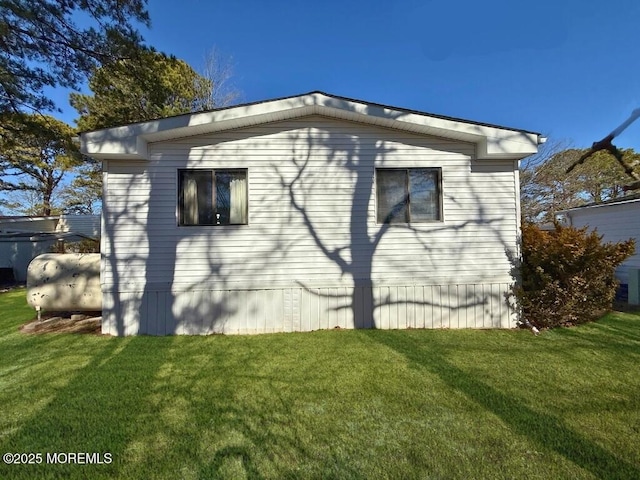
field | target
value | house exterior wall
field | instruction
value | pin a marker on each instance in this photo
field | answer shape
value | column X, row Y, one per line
column 88, row 225
column 312, row 255
column 616, row 222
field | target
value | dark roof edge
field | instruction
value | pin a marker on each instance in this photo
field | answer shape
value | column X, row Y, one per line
column 418, row 112
column 612, row 201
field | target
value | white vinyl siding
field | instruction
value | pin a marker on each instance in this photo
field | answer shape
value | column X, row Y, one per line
column 329, row 240
column 88, row 225
column 616, row 223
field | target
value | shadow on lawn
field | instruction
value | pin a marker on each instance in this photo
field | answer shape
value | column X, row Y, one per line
column 97, row 411
column 548, row 431
column 167, row 407
column 612, row 333
column 243, row 419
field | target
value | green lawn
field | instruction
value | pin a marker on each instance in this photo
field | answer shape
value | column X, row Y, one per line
column 331, row 404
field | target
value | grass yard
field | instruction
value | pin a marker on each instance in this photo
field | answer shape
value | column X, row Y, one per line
column 331, row 404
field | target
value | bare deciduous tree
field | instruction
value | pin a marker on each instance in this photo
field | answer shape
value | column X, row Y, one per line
column 536, row 171
column 549, row 185
column 218, row 69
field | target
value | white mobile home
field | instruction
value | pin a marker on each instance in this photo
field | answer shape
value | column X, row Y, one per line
column 616, row 220
column 305, row 213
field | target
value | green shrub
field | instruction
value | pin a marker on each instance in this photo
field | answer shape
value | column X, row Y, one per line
column 566, row 276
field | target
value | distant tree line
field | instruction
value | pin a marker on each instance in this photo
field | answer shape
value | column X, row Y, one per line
column 41, row 169
column 546, row 188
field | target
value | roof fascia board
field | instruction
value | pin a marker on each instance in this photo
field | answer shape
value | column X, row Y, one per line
column 130, row 141
column 492, row 142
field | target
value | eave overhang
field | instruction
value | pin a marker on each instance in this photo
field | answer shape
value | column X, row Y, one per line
column 130, row 141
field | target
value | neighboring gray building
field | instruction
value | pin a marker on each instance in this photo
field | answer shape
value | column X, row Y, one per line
column 304, row 213
column 616, row 220
column 24, row 238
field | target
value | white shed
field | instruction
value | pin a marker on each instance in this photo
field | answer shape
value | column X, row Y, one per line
column 304, row 213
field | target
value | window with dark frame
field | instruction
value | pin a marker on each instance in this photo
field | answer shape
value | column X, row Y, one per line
column 408, row 195
column 212, row 197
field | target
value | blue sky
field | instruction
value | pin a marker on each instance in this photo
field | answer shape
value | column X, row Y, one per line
column 566, row 68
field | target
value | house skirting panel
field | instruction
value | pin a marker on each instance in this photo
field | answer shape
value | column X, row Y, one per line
column 158, row 311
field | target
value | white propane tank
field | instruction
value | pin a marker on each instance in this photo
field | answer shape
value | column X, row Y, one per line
column 65, row 282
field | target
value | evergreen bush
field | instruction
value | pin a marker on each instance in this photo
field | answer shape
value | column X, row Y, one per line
column 566, row 276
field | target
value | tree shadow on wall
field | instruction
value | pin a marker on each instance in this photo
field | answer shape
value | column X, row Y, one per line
column 355, row 248
column 144, row 246
column 328, row 186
